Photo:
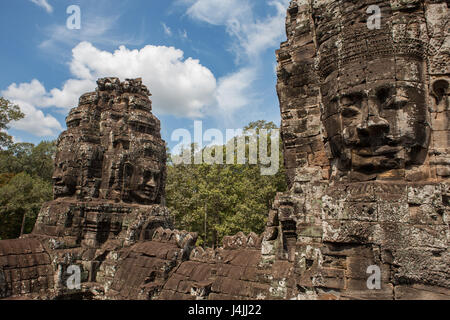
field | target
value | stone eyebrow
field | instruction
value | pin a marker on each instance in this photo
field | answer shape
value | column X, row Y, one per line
column 352, row 95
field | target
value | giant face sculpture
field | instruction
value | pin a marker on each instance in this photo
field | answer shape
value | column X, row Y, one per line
column 144, row 182
column 144, row 176
column 378, row 126
column 144, row 170
column 375, row 114
column 362, row 102
column 112, row 149
column 66, row 170
column 79, row 156
column 77, row 166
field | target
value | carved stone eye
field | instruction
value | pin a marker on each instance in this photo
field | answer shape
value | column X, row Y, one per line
column 383, row 95
column 353, row 99
column 349, row 112
column 350, row 105
column 347, row 100
column 395, row 102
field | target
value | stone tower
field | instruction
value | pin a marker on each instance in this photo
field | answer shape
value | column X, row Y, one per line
column 366, row 136
column 109, row 189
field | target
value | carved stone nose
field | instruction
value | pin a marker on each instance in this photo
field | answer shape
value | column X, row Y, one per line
column 57, row 176
column 374, row 126
column 151, row 183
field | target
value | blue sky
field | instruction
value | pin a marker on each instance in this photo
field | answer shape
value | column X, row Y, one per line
column 209, row 60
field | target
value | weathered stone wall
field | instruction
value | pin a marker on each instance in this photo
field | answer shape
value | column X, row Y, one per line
column 109, row 187
column 233, row 272
column 25, row 269
column 144, row 268
column 342, row 230
column 380, row 195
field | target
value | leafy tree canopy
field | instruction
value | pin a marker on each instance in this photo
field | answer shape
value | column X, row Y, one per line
column 26, row 157
column 216, row 200
column 8, row 112
column 22, row 196
column 25, row 177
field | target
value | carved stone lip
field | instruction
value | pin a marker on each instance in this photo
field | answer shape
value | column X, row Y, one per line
column 384, row 150
column 143, row 193
column 60, row 190
column 149, row 189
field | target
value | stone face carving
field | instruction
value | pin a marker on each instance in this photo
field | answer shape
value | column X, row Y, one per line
column 112, row 149
column 375, row 90
column 110, row 159
column 109, row 186
column 375, row 115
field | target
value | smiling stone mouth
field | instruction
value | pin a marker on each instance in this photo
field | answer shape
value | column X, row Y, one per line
column 381, row 151
column 61, row 189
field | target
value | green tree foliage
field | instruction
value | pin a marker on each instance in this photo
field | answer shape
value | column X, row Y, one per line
column 25, row 183
column 26, row 157
column 8, row 113
column 232, row 198
column 22, row 195
column 25, row 177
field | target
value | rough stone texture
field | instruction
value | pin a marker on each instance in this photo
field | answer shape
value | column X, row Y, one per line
column 109, row 184
column 234, row 272
column 112, row 149
column 365, row 132
column 366, row 138
column 25, row 269
column 145, row 267
column 360, row 104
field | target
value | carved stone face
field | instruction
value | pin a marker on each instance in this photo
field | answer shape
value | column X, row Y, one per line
column 112, row 149
column 379, row 125
column 144, row 182
column 65, row 174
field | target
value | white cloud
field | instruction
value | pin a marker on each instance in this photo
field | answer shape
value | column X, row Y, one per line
column 34, row 93
column 251, row 38
column 181, row 87
column 27, row 96
column 232, row 91
column 35, row 121
column 264, row 34
column 44, row 4
column 167, row 30
column 68, row 96
column 219, row 12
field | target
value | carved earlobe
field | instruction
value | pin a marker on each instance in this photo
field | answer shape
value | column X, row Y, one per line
column 440, row 89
